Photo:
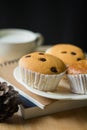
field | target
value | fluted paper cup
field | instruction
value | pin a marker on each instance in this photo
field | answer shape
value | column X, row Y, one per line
column 40, row 81
column 78, row 83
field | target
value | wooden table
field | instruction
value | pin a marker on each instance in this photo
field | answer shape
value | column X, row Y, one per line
column 75, row 119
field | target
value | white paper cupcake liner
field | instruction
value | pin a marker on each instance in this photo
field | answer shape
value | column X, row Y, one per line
column 78, row 83
column 64, row 82
column 40, row 81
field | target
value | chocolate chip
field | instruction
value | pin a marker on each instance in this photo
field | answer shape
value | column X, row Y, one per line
column 41, row 53
column 78, row 59
column 73, row 53
column 53, row 69
column 28, row 56
column 42, row 59
column 63, row 52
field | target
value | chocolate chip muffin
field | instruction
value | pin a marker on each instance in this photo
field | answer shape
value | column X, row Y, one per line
column 77, row 75
column 69, row 53
column 41, row 71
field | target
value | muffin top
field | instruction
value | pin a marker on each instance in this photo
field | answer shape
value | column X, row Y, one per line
column 79, row 67
column 67, row 52
column 42, row 63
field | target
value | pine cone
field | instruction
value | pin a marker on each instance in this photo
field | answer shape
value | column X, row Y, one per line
column 9, row 101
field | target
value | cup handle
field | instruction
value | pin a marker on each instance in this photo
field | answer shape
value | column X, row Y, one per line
column 39, row 39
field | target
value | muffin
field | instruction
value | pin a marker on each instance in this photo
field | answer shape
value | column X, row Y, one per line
column 41, row 71
column 77, row 75
column 68, row 53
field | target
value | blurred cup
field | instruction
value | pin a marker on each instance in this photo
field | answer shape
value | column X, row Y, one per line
column 15, row 43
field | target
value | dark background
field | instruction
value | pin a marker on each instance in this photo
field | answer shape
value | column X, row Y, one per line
column 61, row 21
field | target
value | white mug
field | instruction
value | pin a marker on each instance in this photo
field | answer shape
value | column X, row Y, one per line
column 15, row 43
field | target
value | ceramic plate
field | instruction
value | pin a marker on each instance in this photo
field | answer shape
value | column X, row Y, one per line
column 60, row 93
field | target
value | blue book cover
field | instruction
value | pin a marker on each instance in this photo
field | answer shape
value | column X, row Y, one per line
column 26, row 103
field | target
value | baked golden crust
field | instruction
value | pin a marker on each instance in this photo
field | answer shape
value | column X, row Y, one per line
column 79, row 67
column 42, row 63
column 67, row 52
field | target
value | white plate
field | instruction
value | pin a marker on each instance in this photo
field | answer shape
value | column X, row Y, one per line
column 60, row 93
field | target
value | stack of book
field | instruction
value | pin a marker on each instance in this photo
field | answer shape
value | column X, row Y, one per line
column 34, row 105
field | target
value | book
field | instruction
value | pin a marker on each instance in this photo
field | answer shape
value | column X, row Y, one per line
column 31, row 110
